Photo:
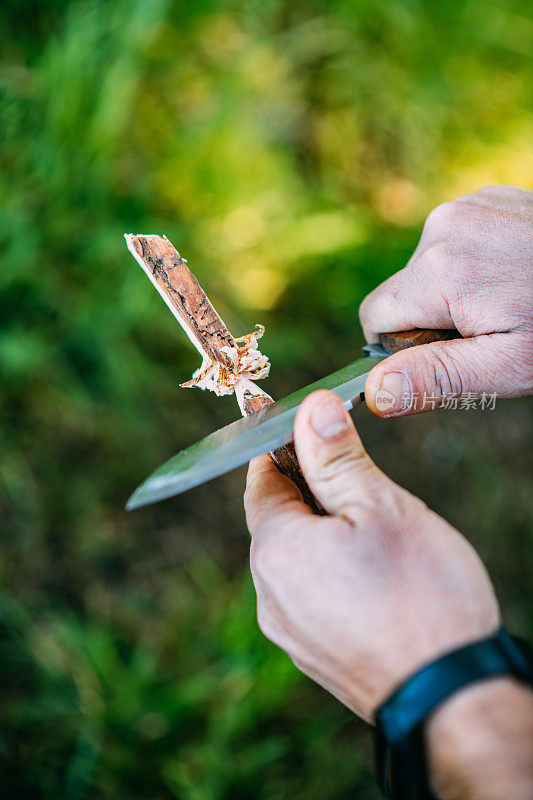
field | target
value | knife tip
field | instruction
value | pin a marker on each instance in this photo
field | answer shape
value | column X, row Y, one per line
column 132, row 503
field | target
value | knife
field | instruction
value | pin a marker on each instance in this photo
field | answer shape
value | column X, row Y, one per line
column 271, row 427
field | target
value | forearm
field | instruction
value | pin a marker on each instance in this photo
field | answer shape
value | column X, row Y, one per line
column 480, row 743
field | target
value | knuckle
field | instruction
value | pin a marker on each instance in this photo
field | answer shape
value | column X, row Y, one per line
column 260, row 558
column 447, row 372
column 342, row 462
column 254, row 479
column 375, row 308
column 472, row 200
column 493, row 189
column 304, row 663
column 248, row 502
column 264, row 621
column 367, row 307
column 442, row 215
column 438, row 258
column 266, row 557
column 406, row 507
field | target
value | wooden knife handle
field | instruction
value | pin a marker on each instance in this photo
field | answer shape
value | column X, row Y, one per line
column 401, row 340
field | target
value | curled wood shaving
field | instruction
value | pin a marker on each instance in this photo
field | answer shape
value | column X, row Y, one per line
column 247, row 362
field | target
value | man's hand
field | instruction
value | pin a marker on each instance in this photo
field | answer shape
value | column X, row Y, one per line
column 364, row 597
column 472, row 270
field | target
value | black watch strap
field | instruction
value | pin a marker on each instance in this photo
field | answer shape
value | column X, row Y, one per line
column 400, row 752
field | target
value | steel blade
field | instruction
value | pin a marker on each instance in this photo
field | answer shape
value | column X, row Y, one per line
column 234, row 445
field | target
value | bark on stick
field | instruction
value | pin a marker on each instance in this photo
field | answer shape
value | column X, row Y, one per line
column 226, row 367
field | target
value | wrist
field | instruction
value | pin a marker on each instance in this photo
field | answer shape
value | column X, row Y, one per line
column 479, row 743
column 461, row 724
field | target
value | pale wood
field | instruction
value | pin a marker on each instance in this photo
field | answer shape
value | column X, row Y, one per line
column 181, row 291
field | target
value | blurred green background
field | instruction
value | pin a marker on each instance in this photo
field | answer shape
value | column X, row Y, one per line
column 291, row 151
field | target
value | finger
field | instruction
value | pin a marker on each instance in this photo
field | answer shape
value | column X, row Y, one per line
column 271, row 499
column 421, row 378
column 505, row 193
column 404, row 301
column 331, row 455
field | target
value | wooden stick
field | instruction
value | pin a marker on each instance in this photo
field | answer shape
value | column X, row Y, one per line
column 183, row 295
column 226, row 367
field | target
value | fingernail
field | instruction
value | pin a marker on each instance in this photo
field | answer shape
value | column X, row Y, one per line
column 329, row 418
column 395, row 393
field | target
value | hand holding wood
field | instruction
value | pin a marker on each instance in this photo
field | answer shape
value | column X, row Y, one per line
column 228, row 364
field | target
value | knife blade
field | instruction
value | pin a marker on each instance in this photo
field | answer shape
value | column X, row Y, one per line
column 266, row 430
column 270, row 428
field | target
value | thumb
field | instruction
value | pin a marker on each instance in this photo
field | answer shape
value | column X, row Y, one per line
column 421, row 378
column 331, row 455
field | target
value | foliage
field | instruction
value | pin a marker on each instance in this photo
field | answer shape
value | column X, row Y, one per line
column 291, row 152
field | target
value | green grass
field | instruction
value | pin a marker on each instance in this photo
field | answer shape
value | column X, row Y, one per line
column 291, row 152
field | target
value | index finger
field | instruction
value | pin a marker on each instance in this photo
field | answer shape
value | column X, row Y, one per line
column 270, row 497
column 411, row 298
